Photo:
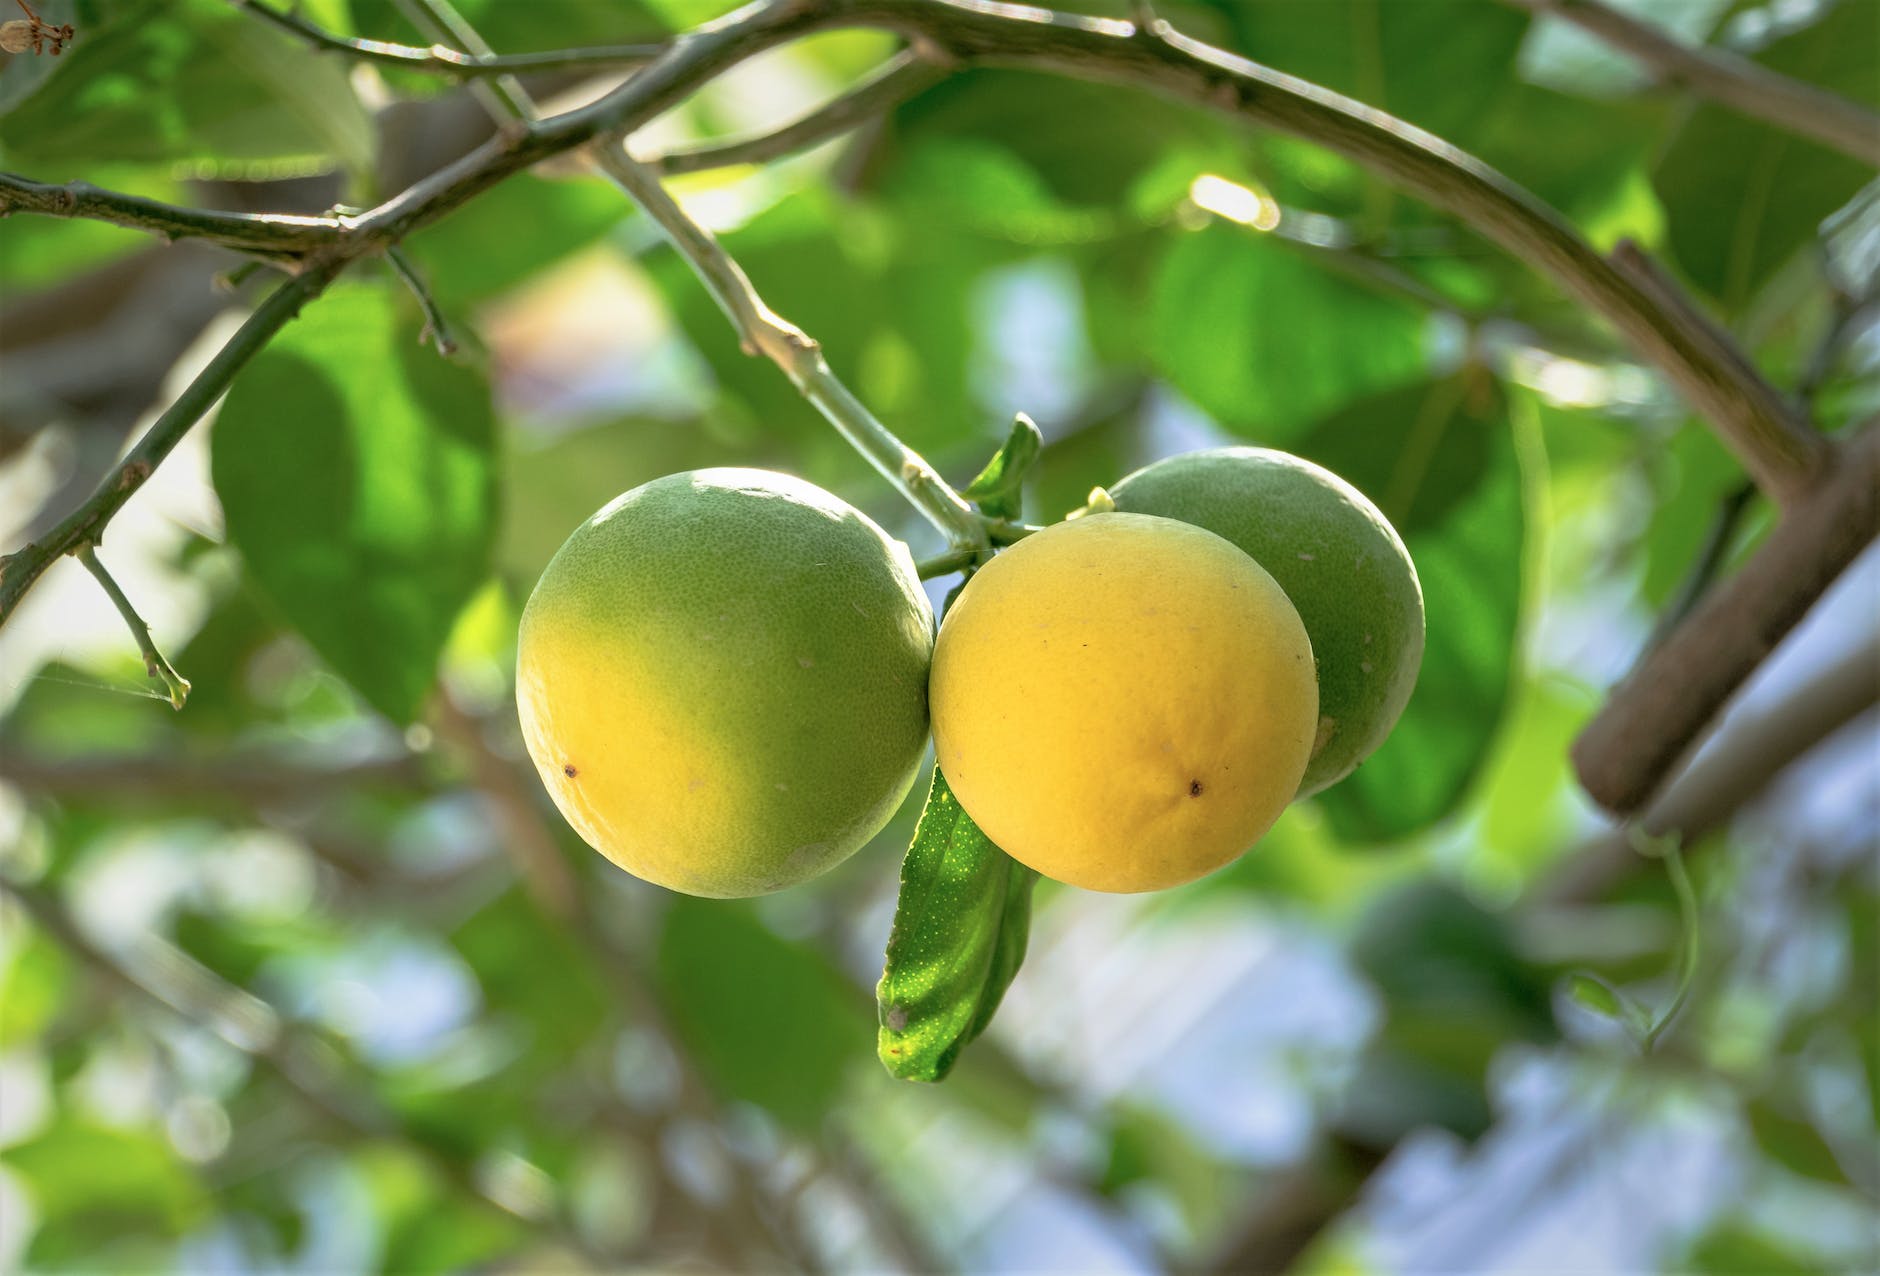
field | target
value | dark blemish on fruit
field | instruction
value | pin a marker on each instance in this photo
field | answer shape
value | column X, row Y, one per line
column 567, row 769
column 897, row 1018
column 1194, row 788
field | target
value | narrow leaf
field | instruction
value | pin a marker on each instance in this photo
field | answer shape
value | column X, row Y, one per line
column 960, row 928
column 1595, row 994
column 999, row 489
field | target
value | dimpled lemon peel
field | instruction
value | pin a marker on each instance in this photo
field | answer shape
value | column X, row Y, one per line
column 721, row 678
column 1123, row 702
column 1340, row 562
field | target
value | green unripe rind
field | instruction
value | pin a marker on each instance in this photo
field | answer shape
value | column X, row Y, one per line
column 1339, row 561
column 722, row 680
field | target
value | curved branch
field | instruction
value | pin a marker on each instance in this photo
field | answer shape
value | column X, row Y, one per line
column 1746, row 87
column 85, row 525
column 1652, row 718
column 281, row 235
column 1752, row 419
column 443, row 60
column 903, row 77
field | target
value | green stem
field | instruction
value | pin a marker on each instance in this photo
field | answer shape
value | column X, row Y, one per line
column 954, row 560
column 795, row 352
column 85, row 525
column 1668, row 849
column 154, row 662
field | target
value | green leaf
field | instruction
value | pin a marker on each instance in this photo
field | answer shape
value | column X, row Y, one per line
column 999, row 490
column 1047, row 124
column 35, row 984
column 198, row 84
column 1447, row 463
column 892, row 310
column 1742, row 197
column 1595, row 994
column 769, row 1021
column 355, row 469
column 478, row 252
column 960, row 927
column 1265, row 339
column 1435, row 63
column 128, row 1179
column 1735, row 1249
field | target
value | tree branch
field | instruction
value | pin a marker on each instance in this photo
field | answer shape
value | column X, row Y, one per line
column 276, row 235
column 1655, row 715
column 85, row 525
column 902, row 77
column 443, row 60
column 1727, row 777
column 1726, row 78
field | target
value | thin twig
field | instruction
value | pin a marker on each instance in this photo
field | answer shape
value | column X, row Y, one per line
column 795, row 352
column 503, row 97
column 154, row 662
column 1724, row 77
column 85, row 525
column 1690, row 950
column 442, row 60
column 895, row 81
column 436, row 331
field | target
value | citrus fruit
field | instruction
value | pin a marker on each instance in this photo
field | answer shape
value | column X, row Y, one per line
column 1338, row 559
column 1122, row 702
column 722, row 680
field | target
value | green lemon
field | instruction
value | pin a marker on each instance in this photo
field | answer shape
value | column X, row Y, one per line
column 1339, row 561
column 722, row 678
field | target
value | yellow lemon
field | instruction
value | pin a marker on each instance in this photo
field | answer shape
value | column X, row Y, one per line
column 722, row 680
column 1338, row 559
column 1123, row 702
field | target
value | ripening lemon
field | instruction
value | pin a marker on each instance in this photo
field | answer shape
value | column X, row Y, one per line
column 1123, row 702
column 722, row 680
column 1338, row 559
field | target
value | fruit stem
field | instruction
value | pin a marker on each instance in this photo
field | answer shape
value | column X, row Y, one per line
column 954, row 560
column 766, row 333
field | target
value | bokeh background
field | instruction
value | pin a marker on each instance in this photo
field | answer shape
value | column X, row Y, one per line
column 310, row 978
